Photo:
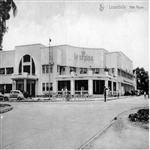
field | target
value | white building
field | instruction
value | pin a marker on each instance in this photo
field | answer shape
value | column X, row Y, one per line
column 27, row 68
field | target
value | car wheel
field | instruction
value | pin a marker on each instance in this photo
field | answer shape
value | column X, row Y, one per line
column 6, row 99
column 19, row 98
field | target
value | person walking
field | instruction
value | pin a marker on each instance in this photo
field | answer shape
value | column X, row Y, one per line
column 144, row 94
column 118, row 94
column 67, row 94
column 105, row 90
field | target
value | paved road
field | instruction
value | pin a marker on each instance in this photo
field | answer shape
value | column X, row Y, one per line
column 59, row 124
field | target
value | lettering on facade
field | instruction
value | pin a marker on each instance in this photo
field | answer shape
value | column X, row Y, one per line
column 83, row 57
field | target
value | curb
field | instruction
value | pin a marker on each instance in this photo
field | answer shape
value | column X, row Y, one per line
column 6, row 109
column 99, row 133
column 96, row 135
column 84, row 100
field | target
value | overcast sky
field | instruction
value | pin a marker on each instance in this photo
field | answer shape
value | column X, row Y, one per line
column 115, row 27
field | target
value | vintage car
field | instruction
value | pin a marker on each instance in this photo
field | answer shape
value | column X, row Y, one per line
column 1, row 97
column 14, row 94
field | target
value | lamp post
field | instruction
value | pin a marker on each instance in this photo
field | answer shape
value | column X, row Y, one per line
column 49, row 67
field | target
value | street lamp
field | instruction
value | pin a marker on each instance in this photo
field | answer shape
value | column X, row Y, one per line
column 49, row 66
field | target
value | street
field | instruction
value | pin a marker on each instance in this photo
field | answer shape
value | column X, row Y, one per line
column 52, row 125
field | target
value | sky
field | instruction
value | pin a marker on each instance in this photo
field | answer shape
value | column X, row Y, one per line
column 112, row 25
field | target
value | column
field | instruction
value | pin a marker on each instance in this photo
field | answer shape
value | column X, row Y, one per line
column 30, row 83
column 72, row 87
column 30, row 65
column 55, row 84
column 106, row 83
column 90, row 87
column 13, row 85
column 117, row 86
column 90, row 72
column 25, row 85
column 112, row 88
column 36, row 87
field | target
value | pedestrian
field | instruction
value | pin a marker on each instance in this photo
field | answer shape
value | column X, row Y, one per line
column 144, row 94
column 62, row 92
column 82, row 89
column 118, row 94
column 105, row 90
column 67, row 95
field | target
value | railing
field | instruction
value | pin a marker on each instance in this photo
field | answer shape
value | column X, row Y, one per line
column 111, row 94
column 78, row 95
column 67, row 95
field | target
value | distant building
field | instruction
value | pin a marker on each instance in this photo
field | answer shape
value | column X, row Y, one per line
column 78, row 69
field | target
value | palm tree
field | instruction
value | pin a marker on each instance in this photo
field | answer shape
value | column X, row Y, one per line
column 5, row 7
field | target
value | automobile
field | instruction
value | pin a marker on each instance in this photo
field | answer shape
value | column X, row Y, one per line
column 137, row 93
column 1, row 97
column 14, row 94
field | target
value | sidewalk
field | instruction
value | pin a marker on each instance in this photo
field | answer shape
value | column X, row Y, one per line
column 121, row 134
column 76, row 99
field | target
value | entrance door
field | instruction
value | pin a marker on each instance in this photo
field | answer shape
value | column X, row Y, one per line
column 20, row 85
column 31, row 87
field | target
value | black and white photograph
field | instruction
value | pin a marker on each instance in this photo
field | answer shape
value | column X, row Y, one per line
column 74, row 74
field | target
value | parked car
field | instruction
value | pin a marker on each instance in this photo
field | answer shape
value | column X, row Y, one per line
column 14, row 94
column 137, row 92
column 1, row 97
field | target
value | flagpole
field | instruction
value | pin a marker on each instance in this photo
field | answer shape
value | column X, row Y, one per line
column 49, row 67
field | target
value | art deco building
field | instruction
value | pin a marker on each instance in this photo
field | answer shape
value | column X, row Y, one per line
column 27, row 68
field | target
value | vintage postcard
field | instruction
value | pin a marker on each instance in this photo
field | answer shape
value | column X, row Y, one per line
column 74, row 74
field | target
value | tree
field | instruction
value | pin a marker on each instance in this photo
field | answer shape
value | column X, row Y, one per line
column 142, row 79
column 5, row 7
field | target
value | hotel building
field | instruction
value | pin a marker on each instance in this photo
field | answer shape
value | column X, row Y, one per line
column 36, row 69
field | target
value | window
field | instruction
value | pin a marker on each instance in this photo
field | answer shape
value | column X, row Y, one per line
column 33, row 67
column 2, row 70
column 47, row 86
column 9, row 70
column 26, row 69
column 43, row 86
column 72, row 69
column 45, row 68
column 83, row 70
column 62, row 70
column 20, row 67
column 51, row 86
column 26, row 58
column 96, row 71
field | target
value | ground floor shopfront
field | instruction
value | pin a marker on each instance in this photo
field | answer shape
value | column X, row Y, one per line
column 87, row 86
column 90, row 86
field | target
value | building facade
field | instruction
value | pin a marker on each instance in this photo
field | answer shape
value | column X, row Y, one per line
column 38, row 69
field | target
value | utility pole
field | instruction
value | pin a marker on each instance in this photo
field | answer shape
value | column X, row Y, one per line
column 49, row 67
